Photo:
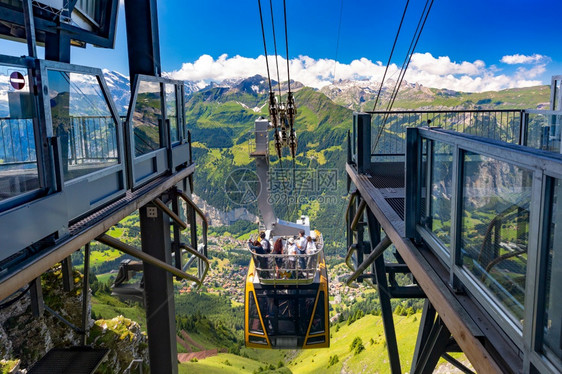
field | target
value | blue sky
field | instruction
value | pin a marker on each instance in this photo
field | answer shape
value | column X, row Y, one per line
column 462, row 45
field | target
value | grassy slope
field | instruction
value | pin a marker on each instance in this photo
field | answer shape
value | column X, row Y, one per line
column 217, row 365
column 374, row 359
column 107, row 307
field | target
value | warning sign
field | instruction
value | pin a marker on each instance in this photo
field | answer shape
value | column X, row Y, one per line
column 17, row 80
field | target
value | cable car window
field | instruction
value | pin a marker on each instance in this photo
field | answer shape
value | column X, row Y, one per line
column 171, row 112
column 254, row 318
column 18, row 160
column 318, row 322
column 147, row 118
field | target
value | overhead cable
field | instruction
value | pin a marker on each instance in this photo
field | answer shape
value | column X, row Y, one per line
column 287, row 46
column 264, row 46
column 275, row 48
column 390, row 56
column 405, row 64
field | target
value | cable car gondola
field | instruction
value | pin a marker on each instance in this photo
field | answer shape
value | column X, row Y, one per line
column 286, row 304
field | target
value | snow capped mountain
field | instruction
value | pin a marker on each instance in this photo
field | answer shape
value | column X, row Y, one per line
column 119, row 86
column 356, row 94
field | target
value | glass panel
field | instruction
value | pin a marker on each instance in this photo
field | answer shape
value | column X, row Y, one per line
column 544, row 131
column 171, row 112
column 83, row 122
column 423, row 180
column 318, row 322
column 495, row 227
column 147, row 118
column 18, row 160
column 557, row 94
column 552, row 342
column 439, row 220
column 254, row 323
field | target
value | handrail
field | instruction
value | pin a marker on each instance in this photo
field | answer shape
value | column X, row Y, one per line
column 448, row 111
column 130, row 250
column 170, row 213
column 378, row 251
column 352, row 198
column 195, row 253
column 183, row 226
column 352, row 248
column 199, row 212
column 358, row 214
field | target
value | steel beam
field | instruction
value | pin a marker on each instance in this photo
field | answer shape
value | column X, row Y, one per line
column 57, row 47
column 36, row 293
column 85, row 292
column 16, row 279
column 159, row 293
column 67, row 274
column 363, row 142
column 143, row 41
column 434, row 347
column 387, row 318
column 426, row 322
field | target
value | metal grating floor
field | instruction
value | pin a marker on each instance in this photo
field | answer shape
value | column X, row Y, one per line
column 397, row 204
column 384, row 181
column 75, row 360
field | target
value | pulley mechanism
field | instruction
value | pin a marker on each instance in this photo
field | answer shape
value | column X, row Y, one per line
column 282, row 117
column 281, row 114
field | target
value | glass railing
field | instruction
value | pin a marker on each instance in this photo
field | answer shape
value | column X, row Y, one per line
column 18, row 158
column 490, row 211
column 542, row 130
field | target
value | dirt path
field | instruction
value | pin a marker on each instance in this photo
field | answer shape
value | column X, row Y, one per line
column 187, row 357
column 184, row 344
column 188, row 339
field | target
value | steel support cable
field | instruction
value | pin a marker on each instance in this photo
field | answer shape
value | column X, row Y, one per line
column 275, row 48
column 338, row 43
column 391, row 53
column 264, row 46
column 287, row 47
column 404, row 68
column 409, row 53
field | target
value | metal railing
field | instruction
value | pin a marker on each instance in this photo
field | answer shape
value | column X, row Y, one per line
column 91, row 139
column 381, row 136
column 496, row 228
column 504, row 125
column 287, row 268
column 17, row 141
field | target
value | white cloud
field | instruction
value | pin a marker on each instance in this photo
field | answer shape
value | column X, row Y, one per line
column 437, row 72
column 522, row 59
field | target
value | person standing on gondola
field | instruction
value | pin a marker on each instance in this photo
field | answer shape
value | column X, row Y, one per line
column 259, row 252
column 301, row 250
column 292, row 251
column 278, row 250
